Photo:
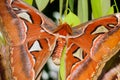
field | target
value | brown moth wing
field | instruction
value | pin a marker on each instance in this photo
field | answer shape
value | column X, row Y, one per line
column 4, row 59
column 18, row 60
column 96, row 46
column 40, row 30
column 21, row 35
column 111, row 70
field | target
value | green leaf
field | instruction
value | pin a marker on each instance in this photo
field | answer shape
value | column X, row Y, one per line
column 41, row 4
column 96, row 8
column 105, row 4
column 28, row 1
column 111, row 10
column 83, row 10
column 71, row 19
column 101, row 8
column 71, row 4
column 62, row 65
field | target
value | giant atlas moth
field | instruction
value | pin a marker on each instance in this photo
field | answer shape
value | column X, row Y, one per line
column 17, row 62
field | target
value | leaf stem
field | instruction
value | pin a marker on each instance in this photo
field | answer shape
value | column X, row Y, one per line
column 66, row 8
column 60, row 8
column 116, row 6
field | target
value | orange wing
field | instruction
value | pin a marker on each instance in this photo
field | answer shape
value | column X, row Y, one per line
column 99, row 47
column 22, row 32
